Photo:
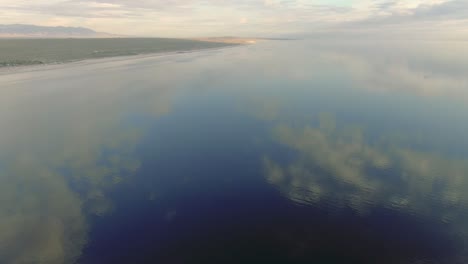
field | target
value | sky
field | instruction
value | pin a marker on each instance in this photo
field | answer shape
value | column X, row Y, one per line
column 181, row 18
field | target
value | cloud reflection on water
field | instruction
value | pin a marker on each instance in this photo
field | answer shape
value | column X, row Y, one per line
column 339, row 167
column 392, row 136
column 66, row 143
column 67, row 138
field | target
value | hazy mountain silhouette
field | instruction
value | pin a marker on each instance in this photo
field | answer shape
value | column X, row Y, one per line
column 33, row 31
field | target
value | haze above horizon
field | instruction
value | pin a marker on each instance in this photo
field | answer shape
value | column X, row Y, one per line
column 266, row 18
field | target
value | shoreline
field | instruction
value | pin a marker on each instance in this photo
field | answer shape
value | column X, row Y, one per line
column 229, row 40
column 5, row 70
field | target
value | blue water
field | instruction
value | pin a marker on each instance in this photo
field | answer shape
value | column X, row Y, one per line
column 279, row 152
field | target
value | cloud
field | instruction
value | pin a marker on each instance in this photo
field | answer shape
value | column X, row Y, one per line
column 266, row 17
column 455, row 9
column 438, row 19
column 186, row 17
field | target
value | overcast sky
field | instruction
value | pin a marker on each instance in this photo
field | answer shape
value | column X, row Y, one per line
column 178, row 18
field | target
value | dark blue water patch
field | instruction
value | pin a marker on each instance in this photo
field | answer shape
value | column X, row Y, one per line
column 202, row 143
column 200, row 197
column 261, row 227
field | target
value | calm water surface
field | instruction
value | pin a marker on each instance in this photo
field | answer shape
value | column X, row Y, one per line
column 280, row 152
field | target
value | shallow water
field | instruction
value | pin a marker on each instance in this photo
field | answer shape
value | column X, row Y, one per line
column 280, row 152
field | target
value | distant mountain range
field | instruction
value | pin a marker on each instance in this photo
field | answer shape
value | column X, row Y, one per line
column 33, row 31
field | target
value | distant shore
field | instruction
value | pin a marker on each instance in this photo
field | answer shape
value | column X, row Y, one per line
column 29, row 52
column 229, row 40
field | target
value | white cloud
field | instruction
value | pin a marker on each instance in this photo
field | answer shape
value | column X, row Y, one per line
column 216, row 17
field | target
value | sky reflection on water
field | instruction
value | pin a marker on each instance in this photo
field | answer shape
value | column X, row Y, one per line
column 277, row 143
